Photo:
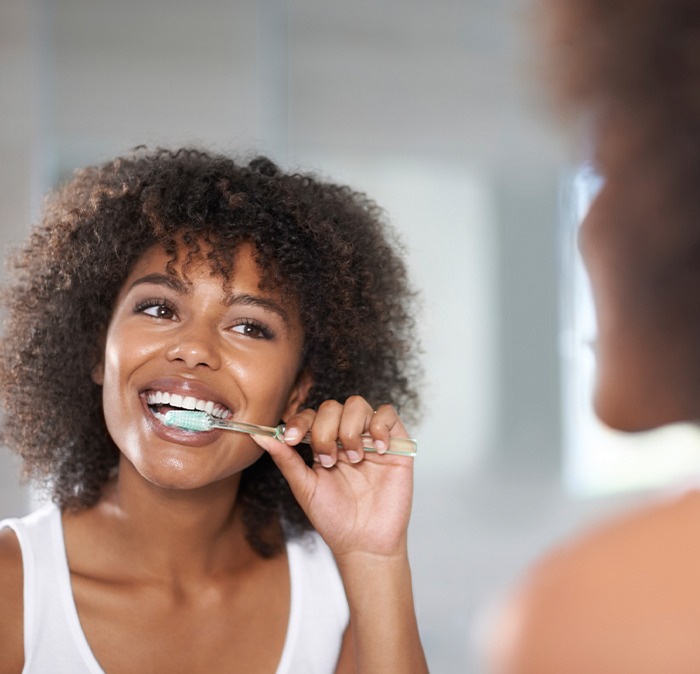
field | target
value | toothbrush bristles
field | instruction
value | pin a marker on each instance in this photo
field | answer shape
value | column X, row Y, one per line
column 189, row 420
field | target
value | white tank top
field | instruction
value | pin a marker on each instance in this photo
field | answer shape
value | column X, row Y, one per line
column 54, row 641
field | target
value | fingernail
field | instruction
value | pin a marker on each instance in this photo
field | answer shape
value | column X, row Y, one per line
column 291, row 435
column 353, row 456
column 326, row 460
column 380, row 446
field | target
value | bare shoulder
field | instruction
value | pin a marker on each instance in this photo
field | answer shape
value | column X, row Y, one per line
column 623, row 598
column 11, row 600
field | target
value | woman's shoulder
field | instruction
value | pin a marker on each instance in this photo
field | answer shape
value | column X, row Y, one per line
column 623, row 597
column 11, row 599
column 10, row 561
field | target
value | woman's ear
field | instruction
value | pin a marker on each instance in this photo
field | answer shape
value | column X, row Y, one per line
column 298, row 394
column 98, row 371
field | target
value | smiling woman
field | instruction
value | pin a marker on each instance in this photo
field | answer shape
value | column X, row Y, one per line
column 182, row 280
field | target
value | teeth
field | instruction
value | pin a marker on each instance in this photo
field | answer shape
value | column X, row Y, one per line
column 188, row 403
column 219, row 412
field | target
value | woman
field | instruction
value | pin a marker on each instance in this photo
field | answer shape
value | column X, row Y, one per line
column 182, row 280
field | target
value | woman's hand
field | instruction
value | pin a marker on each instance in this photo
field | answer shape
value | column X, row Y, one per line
column 359, row 502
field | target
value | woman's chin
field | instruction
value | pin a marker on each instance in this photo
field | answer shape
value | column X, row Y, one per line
column 639, row 411
column 177, row 472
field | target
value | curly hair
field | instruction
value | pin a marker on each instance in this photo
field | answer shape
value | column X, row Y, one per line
column 322, row 244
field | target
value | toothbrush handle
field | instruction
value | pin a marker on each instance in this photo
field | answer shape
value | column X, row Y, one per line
column 399, row 446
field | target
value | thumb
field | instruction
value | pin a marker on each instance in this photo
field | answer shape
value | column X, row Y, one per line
column 301, row 478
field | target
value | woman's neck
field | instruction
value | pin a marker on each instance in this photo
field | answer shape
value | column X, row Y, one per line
column 165, row 533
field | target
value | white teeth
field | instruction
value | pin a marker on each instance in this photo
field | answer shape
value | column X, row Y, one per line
column 188, row 403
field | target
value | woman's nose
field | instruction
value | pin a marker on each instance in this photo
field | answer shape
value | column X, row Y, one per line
column 194, row 347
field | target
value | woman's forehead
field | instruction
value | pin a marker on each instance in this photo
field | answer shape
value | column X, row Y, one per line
column 187, row 262
column 188, row 265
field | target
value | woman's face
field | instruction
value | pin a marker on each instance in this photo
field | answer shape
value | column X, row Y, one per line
column 648, row 356
column 182, row 342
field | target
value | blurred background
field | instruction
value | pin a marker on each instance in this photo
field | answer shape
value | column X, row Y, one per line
column 438, row 111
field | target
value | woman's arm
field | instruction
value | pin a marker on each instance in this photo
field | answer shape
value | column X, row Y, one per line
column 384, row 634
column 361, row 508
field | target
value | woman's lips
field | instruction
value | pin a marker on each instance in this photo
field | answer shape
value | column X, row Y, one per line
column 191, row 394
column 169, row 393
column 175, row 434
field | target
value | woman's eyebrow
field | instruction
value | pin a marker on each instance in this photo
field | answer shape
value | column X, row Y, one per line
column 243, row 299
column 248, row 300
column 171, row 282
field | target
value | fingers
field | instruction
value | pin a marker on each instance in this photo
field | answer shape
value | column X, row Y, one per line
column 324, row 432
column 336, row 423
column 385, row 423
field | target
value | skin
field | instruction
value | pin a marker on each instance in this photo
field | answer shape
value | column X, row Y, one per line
column 622, row 599
column 167, row 535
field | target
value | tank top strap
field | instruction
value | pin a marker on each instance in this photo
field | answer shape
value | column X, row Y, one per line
column 319, row 612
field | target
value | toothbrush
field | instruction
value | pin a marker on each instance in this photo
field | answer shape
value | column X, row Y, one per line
column 201, row 422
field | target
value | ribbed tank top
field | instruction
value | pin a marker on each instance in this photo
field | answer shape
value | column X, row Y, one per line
column 54, row 640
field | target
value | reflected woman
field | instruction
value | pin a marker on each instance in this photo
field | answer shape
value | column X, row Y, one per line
column 626, row 597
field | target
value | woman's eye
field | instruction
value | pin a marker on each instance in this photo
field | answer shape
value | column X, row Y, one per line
column 160, row 311
column 157, row 310
column 250, row 329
